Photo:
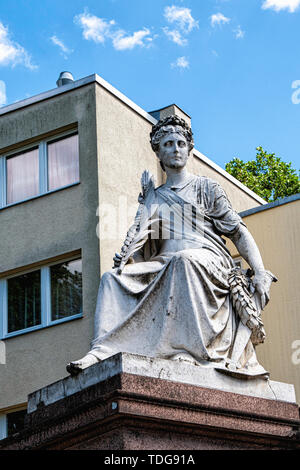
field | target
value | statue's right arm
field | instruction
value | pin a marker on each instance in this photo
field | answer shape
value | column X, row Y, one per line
column 248, row 249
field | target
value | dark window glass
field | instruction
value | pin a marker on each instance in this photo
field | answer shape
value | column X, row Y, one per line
column 66, row 289
column 15, row 421
column 24, row 301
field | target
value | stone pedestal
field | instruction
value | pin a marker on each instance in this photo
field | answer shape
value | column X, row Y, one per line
column 130, row 402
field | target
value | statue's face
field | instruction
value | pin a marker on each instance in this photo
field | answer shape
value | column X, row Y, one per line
column 173, row 151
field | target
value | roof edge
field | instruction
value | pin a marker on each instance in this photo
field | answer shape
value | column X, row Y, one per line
column 47, row 94
column 231, row 178
column 172, row 104
column 271, row 205
column 72, row 86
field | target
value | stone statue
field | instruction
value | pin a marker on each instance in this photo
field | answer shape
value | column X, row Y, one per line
column 175, row 292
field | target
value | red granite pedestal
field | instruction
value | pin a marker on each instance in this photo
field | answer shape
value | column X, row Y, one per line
column 134, row 412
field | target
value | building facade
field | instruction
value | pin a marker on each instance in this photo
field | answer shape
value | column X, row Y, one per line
column 69, row 159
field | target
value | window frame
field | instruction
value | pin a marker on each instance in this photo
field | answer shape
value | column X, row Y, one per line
column 46, row 320
column 3, row 426
column 4, row 420
column 42, row 147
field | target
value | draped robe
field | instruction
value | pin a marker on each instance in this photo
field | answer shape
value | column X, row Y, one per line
column 176, row 304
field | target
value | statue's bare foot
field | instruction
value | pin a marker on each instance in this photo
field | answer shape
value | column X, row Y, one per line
column 77, row 366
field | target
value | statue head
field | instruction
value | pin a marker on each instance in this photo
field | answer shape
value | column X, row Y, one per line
column 179, row 133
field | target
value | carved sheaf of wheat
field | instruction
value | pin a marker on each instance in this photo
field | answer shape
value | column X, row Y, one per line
column 141, row 227
column 245, row 306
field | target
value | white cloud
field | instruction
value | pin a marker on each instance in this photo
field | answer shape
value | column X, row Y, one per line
column 98, row 30
column 278, row 5
column 183, row 21
column 218, row 18
column 11, row 53
column 181, row 63
column 2, row 93
column 175, row 36
column 94, row 28
column 64, row 49
column 122, row 40
column 182, row 17
column 239, row 33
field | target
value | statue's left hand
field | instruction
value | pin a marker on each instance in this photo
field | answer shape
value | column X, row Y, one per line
column 262, row 282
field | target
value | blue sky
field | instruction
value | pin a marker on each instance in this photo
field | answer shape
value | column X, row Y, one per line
column 230, row 64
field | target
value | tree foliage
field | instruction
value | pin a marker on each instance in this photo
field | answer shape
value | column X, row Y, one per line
column 268, row 176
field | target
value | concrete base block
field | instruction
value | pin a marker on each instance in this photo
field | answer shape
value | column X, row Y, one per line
column 176, row 371
column 140, row 403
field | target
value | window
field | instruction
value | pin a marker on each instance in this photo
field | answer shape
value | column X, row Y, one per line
column 40, row 169
column 66, row 289
column 11, row 423
column 24, row 301
column 3, row 426
column 15, row 421
column 22, row 176
column 41, row 298
column 63, row 168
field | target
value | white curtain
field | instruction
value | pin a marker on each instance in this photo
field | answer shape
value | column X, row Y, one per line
column 63, row 162
column 22, row 176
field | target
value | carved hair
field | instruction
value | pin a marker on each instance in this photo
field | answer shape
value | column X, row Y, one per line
column 167, row 126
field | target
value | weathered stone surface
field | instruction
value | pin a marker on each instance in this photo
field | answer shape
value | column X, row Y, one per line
column 177, row 371
column 174, row 290
column 130, row 411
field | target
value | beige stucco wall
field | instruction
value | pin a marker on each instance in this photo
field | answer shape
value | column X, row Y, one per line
column 46, row 227
column 276, row 232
